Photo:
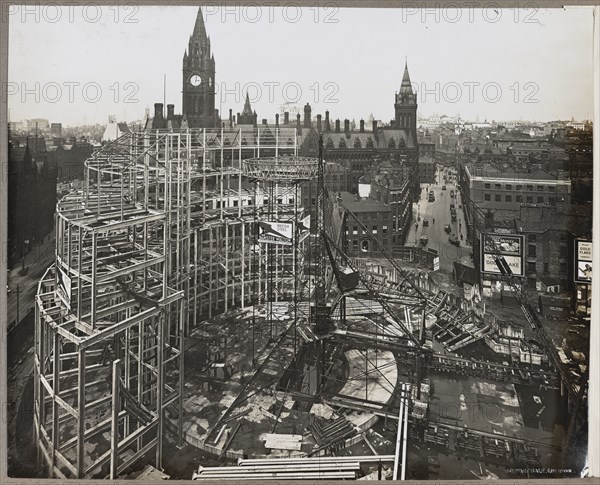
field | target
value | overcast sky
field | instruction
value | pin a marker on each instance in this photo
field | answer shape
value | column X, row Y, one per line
column 77, row 66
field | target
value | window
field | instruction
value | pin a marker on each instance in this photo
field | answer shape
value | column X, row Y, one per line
column 531, row 267
column 374, row 228
column 551, row 200
column 563, row 252
column 279, row 201
column 313, row 201
column 519, row 198
column 563, row 237
column 545, row 266
column 235, row 203
column 563, row 269
column 508, row 187
column 519, row 187
column 355, row 230
column 551, row 188
column 497, row 197
column 498, row 186
column 540, row 200
column 531, row 251
column 508, row 198
column 384, row 230
column 530, row 187
column 487, row 186
column 291, row 200
column 540, row 188
column 529, row 199
column 355, row 245
column 532, row 238
column 266, row 200
column 486, row 197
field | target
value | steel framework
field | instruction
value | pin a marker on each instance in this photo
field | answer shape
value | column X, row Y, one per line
column 159, row 238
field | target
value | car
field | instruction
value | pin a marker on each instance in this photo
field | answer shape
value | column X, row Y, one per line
column 447, row 228
column 453, row 240
column 424, row 240
column 425, row 222
column 443, row 187
column 453, row 215
column 452, row 193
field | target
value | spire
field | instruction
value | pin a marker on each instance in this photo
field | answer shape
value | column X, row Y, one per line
column 247, row 108
column 406, row 87
column 199, row 29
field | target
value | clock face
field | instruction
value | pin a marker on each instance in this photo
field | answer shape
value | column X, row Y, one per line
column 195, row 80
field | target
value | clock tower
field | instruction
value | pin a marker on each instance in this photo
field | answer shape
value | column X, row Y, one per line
column 406, row 107
column 198, row 103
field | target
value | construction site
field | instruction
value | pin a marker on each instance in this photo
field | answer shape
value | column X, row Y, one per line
column 194, row 302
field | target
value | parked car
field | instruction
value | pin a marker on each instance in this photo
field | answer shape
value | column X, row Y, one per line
column 425, row 222
column 447, row 228
column 453, row 240
column 424, row 240
column 443, row 187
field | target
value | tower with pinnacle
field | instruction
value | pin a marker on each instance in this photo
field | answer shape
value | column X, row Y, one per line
column 198, row 104
column 406, row 106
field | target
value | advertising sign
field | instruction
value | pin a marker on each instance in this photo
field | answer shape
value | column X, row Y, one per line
column 304, row 228
column 63, row 286
column 509, row 246
column 436, row 263
column 275, row 233
column 583, row 261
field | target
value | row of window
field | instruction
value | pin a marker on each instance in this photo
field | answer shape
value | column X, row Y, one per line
column 532, row 251
column 519, row 198
column 530, row 188
column 532, row 269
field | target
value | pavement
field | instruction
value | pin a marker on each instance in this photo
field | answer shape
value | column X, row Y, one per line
column 23, row 283
column 439, row 210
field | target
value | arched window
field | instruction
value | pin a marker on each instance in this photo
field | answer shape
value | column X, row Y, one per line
column 402, row 143
column 342, row 143
column 369, row 142
column 392, row 143
column 329, row 143
column 357, row 143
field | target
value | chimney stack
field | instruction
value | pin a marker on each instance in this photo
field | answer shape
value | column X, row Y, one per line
column 337, row 125
column 286, row 118
column 170, row 111
column 347, row 128
column 327, row 125
column 277, row 120
column 298, row 125
column 375, row 134
column 264, row 121
column 158, row 111
column 307, row 118
column 255, row 120
column 319, row 127
column 230, row 117
column 362, row 126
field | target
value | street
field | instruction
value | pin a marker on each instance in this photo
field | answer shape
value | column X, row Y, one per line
column 439, row 210
column 23, row 284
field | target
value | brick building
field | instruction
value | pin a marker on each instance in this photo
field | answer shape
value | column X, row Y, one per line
column 376, row 216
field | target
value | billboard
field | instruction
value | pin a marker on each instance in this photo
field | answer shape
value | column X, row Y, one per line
column 583, row 261
column 275, row 233
column 304, row 228
column 509, row 246
column 63, row 286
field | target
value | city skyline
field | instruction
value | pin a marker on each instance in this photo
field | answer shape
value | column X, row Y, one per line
column 551, row 83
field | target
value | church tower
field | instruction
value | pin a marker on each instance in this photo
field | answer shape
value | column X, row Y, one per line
column 406, row 107
column 198, row 105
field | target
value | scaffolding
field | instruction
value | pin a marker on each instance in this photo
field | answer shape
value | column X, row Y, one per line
column 159, row 238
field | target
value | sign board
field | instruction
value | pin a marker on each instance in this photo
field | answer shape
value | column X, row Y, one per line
column 304, row 228
column 583, row 261
column 436, row 263
column 63, row 286
column 275, row 233
column 509, row 246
